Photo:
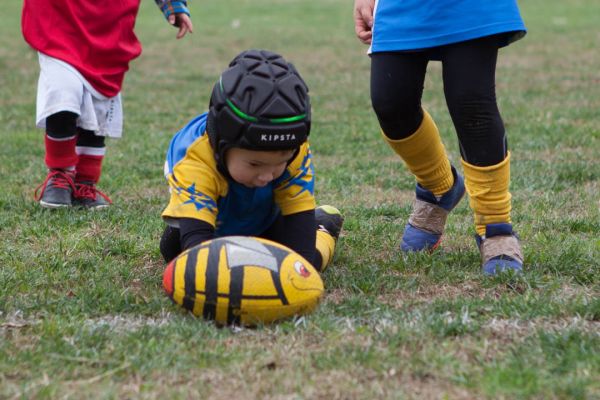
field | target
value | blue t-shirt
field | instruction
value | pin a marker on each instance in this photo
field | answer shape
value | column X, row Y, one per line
column 401, row 25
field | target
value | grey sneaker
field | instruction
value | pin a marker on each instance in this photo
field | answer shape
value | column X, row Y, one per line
column 56, row 190
column 87, row 195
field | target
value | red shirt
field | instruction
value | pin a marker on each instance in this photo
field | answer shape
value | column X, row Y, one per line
column 95, row 37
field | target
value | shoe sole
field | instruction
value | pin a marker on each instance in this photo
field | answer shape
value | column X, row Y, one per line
column 100, row 207
column 331, row 210
column 435, row 246
column 97, row 207
column 429, row 249
column 54, row 205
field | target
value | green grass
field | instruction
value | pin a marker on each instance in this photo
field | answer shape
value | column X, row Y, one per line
column 82, row 313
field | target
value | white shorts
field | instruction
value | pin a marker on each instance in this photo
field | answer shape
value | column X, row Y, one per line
column 62, row 88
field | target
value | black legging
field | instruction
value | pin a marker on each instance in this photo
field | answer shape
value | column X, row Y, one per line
column 469, row 86
column 63, row 124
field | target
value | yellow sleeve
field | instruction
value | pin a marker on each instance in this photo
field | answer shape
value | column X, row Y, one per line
column 195, row 185
column 294, row 191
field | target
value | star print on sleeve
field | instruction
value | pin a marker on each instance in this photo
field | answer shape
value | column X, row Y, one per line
column 199, row 200
column 304, row 178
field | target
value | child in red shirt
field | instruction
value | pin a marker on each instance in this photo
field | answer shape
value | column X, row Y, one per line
column 84, row 51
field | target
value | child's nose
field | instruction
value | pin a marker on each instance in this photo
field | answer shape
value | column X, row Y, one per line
column 266, row 177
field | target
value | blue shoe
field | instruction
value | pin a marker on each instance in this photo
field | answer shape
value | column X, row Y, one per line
column 428, row 218
column 500, row 249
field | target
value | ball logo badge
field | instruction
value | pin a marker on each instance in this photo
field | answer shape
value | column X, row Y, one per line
column 301, row 269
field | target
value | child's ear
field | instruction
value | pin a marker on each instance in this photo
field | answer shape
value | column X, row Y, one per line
column 293, row 157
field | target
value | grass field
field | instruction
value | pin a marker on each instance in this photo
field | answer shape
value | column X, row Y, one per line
column 82, row 313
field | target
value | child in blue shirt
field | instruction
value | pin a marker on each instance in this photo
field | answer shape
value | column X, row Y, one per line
column 465, row 36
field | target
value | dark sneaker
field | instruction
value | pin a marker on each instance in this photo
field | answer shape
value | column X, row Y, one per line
column 428, row 218
column 500, row 249
column 87, row 195
column 329, row 219
column 56, row 190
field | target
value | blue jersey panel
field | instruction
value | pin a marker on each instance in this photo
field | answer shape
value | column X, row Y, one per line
column 246, row 211
column 184, row 138
column 420, row 24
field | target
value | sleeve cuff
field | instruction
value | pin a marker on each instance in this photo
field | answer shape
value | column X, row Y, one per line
column 173, row 7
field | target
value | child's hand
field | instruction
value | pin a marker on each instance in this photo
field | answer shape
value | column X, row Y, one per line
column 183, row 22
column 363, row 19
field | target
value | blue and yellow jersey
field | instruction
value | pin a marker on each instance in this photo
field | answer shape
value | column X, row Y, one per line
column 200, row 191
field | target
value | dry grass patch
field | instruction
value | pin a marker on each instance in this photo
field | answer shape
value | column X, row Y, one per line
column 270, row 383
column 514, row 328
column 435, row 292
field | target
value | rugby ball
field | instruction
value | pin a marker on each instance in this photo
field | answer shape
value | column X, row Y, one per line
column 243, row 280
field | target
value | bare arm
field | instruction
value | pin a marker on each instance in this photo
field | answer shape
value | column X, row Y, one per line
column 363, row 19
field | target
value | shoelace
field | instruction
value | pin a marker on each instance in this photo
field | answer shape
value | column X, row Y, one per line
column 87, row 191
column 60, row 179
column 323, row 229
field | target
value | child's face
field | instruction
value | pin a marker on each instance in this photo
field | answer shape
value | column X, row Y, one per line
column 254, row 168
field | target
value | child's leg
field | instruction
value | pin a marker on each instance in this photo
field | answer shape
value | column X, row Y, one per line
column 469, row 85
column 61, row 158
column 60, row 88
column 396, row 90
column 90, row 149
column 425, row 156
column 329, row 224
column 58, row 108
column 60, row 141
column 490, row 200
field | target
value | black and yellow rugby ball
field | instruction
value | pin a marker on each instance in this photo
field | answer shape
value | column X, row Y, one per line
column 243, row 280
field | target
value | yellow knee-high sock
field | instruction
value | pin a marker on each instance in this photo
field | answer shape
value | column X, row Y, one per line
column 326, row 247
column 488, row 193
column 425, row 156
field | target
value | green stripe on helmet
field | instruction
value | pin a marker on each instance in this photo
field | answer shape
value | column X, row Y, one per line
column 250, row 118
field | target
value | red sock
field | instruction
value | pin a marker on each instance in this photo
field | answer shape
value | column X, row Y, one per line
column 89, row 168
column 60, row 153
